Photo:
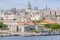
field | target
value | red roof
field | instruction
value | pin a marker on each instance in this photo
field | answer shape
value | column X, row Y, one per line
column 29, row 23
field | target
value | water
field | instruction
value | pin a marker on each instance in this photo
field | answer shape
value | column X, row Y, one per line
column 57, row 37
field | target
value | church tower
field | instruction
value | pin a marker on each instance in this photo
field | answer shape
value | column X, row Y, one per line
column 29, row 6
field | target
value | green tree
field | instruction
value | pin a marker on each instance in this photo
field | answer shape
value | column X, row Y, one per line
column 55, row 26
column 3, row 26
column 47, row 25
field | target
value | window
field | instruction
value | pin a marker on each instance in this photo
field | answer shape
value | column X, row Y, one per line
column 1, row 18
column 14, row 19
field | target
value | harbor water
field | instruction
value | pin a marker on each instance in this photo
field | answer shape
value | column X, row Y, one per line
column 55, row 37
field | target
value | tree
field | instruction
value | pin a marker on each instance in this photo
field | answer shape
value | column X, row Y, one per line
column 3, row 26
column 55, row 26
column 47, row 25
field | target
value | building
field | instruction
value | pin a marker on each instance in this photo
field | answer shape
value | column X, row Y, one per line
column 22, row 20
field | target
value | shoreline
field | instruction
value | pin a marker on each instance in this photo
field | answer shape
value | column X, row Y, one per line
column 29, row 35
column 25, row 34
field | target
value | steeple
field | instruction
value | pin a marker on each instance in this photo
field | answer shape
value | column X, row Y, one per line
column 29, row 6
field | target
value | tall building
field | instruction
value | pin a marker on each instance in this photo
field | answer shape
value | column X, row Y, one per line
column 13, row 10
column 29, row 6
column 46, row 7
column 36, row 8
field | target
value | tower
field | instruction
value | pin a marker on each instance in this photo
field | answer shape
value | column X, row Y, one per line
column 51, row 17
column 50, row 12
column 13, row 10
column 55, row 14
column 29, row 6
column 35, row 8
column 46, row 7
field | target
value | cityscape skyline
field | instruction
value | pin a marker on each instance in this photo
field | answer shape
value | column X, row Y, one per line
column 7, row 4
column 25, row 18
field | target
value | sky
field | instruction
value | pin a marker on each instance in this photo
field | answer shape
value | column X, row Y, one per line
column 7, row 4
